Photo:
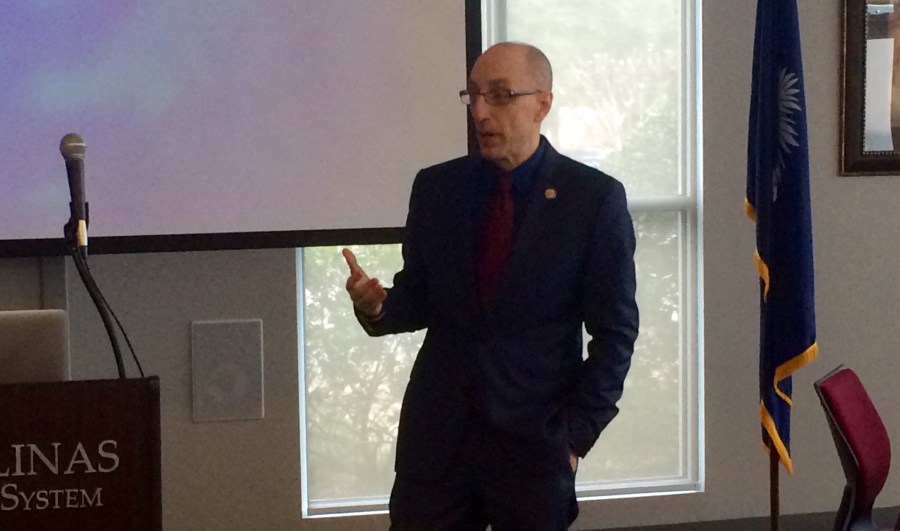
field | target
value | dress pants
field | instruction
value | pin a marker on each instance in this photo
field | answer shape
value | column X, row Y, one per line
column 482, row 487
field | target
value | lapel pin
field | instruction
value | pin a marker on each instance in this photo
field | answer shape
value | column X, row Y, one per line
column 550, row 193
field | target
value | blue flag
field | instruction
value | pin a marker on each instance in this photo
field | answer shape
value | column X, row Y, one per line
column 778, row 201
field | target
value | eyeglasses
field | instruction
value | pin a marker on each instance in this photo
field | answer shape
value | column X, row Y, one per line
column 496, row 98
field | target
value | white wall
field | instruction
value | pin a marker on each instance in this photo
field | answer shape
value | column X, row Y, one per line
column 245, row 475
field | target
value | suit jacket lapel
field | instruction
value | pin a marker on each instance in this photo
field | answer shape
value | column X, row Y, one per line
column 467, row 226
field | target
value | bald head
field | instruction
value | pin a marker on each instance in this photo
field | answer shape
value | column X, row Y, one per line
column 536, row 62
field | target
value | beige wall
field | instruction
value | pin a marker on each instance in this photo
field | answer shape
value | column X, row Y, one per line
column 243, row 475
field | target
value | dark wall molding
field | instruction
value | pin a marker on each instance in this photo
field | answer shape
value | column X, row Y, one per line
column 204, row 242
column 473, row 50
column 884, row 519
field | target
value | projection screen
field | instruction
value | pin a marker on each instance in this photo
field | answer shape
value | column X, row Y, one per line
column 226, row 116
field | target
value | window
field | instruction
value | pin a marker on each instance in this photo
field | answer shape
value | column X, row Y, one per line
column 625, row 102
column 354, row 385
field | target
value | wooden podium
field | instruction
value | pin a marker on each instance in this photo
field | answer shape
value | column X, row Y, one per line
column 80, row 456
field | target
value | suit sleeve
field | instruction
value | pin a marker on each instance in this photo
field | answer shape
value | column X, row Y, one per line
column 406, row 306
column 611, row 320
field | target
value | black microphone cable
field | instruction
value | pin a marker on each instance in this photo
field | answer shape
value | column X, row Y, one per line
column 106, row 311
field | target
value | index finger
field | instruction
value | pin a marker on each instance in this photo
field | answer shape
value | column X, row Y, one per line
column 351, row 261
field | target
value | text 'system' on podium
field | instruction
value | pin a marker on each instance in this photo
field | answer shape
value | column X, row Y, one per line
column 81, row 455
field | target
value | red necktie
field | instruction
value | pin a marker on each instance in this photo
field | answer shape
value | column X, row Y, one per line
column 497, row 239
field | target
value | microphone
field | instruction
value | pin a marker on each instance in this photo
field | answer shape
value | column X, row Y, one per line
column 72, row 148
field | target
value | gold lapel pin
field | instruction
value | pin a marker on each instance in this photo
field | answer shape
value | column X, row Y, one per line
column 550, row 193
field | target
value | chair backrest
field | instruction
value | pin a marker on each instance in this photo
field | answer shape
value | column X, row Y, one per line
column 862, row 443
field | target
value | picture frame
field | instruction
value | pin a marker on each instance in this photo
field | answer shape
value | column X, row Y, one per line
column 870, row 98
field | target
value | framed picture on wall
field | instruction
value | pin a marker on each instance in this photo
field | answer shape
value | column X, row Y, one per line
column 870, row 102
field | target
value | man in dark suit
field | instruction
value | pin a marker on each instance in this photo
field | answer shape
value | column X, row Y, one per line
column 500, row 402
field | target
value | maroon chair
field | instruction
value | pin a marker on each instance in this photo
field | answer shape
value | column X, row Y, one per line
column 862, row 444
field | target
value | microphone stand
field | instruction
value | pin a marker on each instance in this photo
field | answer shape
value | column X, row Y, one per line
column 79, row 256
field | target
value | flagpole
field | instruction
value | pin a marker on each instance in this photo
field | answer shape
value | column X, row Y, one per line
column 773, row 485
column 777, row 200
